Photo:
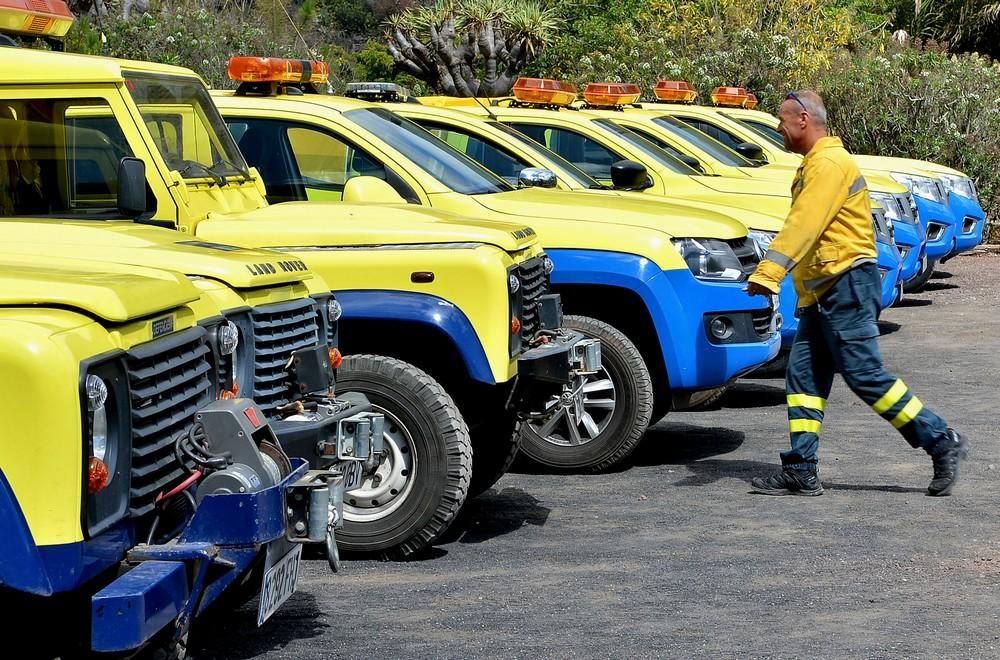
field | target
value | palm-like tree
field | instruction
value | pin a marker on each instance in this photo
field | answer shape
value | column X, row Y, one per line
column 470, row 47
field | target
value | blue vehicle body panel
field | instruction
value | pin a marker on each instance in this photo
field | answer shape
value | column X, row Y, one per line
column 967, row 211
column 431, row 311
column 677, row 303
column 930, row 211
column 889, row 266
column 911, row 238
column 219, row 545
column 44, row 570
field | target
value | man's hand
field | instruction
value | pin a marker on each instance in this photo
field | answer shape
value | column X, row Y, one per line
column 754, row 289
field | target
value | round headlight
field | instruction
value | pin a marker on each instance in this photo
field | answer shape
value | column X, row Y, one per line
column 547, row 265
column 228, row 337
column 514, row 283
column 333, row 310
column 97, row 393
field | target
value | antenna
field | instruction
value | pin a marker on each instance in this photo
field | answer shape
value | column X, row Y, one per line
column 486, row 108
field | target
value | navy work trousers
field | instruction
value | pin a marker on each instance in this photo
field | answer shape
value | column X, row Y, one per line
column 839, row 334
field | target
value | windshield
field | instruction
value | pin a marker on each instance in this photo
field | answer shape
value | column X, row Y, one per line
column 454, row 169
column 710, row 146
column 59, row 158
column 650, row 149
column 186, row 127
column 568, row 168
column 768, row 132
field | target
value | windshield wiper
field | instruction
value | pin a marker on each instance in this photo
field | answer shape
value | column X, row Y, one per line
column 228, row 163
column 193, row 164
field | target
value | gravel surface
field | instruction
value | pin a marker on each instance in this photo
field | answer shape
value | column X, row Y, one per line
column 673, row 557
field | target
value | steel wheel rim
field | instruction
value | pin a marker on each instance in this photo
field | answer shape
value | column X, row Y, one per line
column 579, row 424
column 381, row 493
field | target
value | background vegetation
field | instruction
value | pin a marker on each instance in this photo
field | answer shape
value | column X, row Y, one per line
column 911, row 78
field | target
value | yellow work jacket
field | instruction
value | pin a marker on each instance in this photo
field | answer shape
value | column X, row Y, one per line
column 828, row 229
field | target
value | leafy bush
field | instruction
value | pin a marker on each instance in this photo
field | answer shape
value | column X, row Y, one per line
column 923, row 105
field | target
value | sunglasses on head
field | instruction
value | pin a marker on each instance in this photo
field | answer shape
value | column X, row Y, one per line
column 795, row 97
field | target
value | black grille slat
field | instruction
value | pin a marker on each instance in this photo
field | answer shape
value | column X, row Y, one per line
column 170, row 379
column 761, row 321
column 746, row 253
column 534, row 284
column 279, row 330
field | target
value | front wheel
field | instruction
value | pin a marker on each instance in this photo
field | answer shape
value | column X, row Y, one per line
column 603, row 425
column 422, row 481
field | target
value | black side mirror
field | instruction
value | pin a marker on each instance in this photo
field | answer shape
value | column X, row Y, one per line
column 750, row 151
column 630, row 175
column 691, row 162
column 132, row 187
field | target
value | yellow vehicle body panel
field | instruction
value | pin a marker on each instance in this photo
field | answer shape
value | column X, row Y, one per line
column 55, row 316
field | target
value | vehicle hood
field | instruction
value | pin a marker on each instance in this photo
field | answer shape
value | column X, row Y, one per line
column 311, row 224
column 536, row 206
column 750, row 186
column 114, row 292
column 129, row 243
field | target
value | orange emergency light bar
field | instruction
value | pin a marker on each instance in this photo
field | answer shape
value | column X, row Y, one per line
column 751, row 101
column 730, row 96
column 611, row 94
column 675, row 91
column 544, row 90
column 35, row 18
column 276, row 69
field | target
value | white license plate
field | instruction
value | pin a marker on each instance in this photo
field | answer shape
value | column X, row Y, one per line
column 279, row 584
column 352, row 475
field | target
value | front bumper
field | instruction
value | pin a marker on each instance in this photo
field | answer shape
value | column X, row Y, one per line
column 889, row 266
column 970, row 222
column 552, row 365
column 685, row 308
column 940, row 226
column 911, row 240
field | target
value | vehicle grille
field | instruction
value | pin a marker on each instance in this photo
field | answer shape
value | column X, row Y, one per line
column 761, row 321
column 534, row 284
column 907, row 209
column 169, row 380
column 746, row 253
column 278, row 331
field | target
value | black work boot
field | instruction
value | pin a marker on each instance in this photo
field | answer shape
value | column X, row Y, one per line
column 789, row 482
column 946, row 463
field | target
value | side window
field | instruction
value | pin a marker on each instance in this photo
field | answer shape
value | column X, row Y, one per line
column 587, row 154
column 59, row 157
column 299, row 162
column 493, row 157
column 655, row 139
column 725, row 137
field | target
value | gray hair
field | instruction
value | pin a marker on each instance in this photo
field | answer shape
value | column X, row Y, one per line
column 813, row 103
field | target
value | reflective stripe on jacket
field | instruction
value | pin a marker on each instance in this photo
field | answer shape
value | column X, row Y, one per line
column 828, row 229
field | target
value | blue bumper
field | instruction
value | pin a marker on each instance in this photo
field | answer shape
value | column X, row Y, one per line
column 680, row 308
column 889, row 267
column 179, row 580
column 911, row 241
column 970, row 221
column 940, row 225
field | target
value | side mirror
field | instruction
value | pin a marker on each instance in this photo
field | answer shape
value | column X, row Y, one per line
column 750, row 151
column 370, row 189
column 691, row 162
column 630, row 175
column 536, row 177
column 132, row 187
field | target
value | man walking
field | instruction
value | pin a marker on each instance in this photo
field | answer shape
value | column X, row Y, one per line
column 829, row 242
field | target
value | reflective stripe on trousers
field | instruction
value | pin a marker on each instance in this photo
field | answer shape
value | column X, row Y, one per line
column 839, row 334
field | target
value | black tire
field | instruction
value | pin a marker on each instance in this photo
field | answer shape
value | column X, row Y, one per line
column 621, row 431
column 495, row 445
column 920, row 281
column 426, row 473
column 776, row 368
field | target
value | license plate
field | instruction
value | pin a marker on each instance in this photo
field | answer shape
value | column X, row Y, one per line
column 279, row 584
column 352, row 475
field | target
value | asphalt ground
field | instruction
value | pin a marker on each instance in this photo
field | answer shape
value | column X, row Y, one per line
column 673, row 557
